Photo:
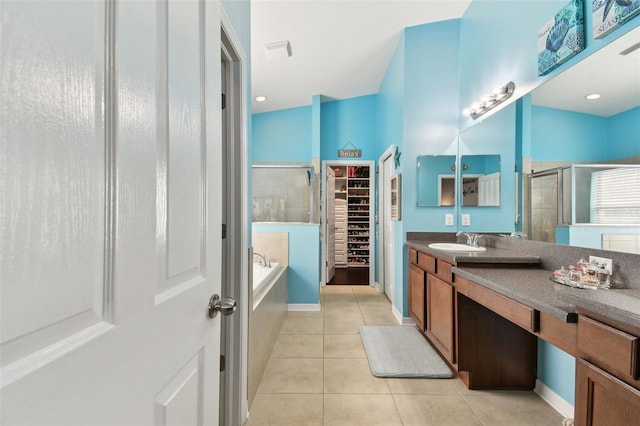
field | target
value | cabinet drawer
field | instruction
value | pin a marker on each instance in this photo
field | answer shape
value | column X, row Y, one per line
column 413, row 256
column 426, row 262
column 608, row 347
column 519, row 314
column 341, row 247
column 443, row 270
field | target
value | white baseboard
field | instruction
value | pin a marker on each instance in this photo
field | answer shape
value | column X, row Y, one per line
column 554, row 400
column 303, row 307
column 401, row 320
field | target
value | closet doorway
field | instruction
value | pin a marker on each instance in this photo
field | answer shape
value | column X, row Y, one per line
column 348, row 218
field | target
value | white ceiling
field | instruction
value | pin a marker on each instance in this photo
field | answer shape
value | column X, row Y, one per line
column 615, row 77
column 340, row 49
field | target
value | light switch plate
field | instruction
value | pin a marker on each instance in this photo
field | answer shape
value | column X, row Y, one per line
column 448, row 219
column 603, row 264
column 465, row 219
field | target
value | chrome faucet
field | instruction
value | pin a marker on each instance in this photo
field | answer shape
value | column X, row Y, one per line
column 263, row 261
column 472, row 239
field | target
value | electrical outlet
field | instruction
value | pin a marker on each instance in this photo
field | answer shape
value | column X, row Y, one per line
column 448, row 219
column 602, row 263
column 466, row 219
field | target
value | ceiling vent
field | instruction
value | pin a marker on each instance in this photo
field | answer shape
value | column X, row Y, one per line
column 278, row 50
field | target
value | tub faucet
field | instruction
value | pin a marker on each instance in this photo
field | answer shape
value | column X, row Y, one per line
column 472, row 239
column 263, row 261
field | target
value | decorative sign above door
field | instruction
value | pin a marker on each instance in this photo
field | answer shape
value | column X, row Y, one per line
column 349, row 153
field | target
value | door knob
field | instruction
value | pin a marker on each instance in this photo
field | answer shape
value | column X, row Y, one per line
column 226, row 306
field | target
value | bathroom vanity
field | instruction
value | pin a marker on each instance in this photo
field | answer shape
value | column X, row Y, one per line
column 484, row 312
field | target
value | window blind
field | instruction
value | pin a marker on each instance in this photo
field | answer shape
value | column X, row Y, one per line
column 615, row 196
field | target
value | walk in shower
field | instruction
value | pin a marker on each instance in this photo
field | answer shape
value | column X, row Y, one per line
column 583, row 194
column 283, row 193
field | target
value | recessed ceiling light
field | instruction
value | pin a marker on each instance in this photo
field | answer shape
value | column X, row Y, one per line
column 261, row 98
column 592, row 96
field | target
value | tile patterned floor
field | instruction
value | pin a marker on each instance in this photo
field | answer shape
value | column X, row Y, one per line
column 318, row 374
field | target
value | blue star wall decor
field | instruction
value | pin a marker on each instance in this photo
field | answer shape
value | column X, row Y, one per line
column 396, row 157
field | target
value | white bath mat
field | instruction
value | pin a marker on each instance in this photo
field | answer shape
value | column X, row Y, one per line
column 401, row 351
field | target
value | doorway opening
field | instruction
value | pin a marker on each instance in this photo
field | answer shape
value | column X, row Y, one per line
column 348, row 222
column 233, row 363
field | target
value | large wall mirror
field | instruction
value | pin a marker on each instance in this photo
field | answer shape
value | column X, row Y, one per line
column 436, row 180
column 569, row 129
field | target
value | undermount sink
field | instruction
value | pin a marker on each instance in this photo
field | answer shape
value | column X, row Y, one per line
column 455, row 247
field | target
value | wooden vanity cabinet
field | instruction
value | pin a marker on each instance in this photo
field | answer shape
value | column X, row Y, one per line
column 607, row 382
column 440, row 316
column 417, row 291
column 417, row 296
column 489, row 347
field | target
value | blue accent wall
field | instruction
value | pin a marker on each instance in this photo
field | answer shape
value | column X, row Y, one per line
column 556, row 369
column 282, row 136
column 496, row 135
column 559, row 135
column 623, row 132
column 390, row 114
column 350, row 120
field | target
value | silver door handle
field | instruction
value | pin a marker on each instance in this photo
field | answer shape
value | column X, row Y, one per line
column 226, row 306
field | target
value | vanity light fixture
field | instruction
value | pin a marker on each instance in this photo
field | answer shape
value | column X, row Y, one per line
column 592, row 96
column 488, row 102
column 261, row 98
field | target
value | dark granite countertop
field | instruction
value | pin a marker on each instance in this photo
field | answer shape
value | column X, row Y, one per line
column 529, row 286
column 618, row 304
column 492, row 255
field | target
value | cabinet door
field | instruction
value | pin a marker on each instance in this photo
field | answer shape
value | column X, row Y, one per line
column 601, row 399
column 440, row 323
column 416, row 295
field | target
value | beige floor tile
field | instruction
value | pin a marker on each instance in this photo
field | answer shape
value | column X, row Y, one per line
column 375, row 309
column 373, row 299
column 364, row 290
column 304, row 314
column 424, row 386
column 337, row 289
column 343, row 325
column 302, row 325
column 298, row 346
column 286, row 410
column 512, row 407
column 435, row 410
column 343, row 346
column 339, row 299
column 342, row 310
column 292, row 375
column 360, row 410
column 352, row 375
column 380, row 320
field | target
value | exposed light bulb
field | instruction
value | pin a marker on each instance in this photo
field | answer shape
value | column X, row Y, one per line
column 592, row 96
column 261, row 98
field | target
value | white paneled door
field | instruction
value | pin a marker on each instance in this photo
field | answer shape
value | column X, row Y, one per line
column 330, row 216
column 110, row 221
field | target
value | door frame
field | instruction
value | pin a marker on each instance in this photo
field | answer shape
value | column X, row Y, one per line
column 237, row 328
column 381, row 217
column 323, row 217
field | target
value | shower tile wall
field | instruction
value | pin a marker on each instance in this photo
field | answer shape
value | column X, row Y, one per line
column 273, row 246
column 623, row 243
